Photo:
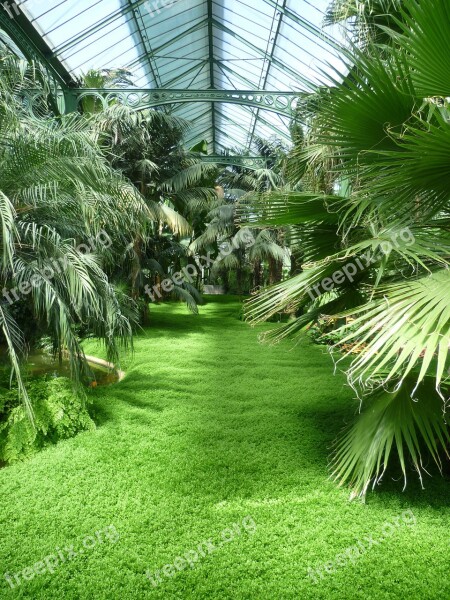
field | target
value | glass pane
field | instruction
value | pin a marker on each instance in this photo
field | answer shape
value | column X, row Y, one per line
column 247, row 45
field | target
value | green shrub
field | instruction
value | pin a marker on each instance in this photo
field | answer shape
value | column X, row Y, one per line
column 60, row 413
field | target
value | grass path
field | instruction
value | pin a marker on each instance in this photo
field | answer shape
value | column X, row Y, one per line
column 216, row 440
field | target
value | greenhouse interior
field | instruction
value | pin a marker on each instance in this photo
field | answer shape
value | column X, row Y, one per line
column 225, row 299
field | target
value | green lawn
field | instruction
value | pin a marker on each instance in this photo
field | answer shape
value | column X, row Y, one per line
column 214, row 439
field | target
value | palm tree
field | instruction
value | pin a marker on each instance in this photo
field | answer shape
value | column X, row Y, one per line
column 260, row 180
column 368, row 22
column 383, row 265
column 58, row 198
column 241, row 252
column 106, row 78
column 263, row 261
column 147, row 148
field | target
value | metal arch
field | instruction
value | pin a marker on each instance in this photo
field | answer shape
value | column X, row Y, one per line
column 283, row 103
column 210, row 25
column 252, row 163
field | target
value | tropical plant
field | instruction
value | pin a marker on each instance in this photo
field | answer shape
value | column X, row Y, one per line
column 368, row 22
column 147, row 147
column 376, row 245
column 262, row 262
column 58, row 198
column 237, row 179
column 58, row 411
column 106, row 78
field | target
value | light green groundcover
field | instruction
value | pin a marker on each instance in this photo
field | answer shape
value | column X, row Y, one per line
column 208, row 472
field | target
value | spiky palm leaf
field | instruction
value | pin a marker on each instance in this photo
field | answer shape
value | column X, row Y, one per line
column 405, row 330
column 404, row 420
column 387, row 147
column 58, row 192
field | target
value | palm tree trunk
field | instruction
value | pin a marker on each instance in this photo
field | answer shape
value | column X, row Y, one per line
column 136, row 268
column 257, row 274
column 275, row 271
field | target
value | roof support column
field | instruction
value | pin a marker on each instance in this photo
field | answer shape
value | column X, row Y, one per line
column 211, row 70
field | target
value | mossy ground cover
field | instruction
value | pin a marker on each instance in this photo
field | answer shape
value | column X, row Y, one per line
column 217, row 440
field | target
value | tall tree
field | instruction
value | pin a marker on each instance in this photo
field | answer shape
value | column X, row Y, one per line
column 262, row 262
column 383, row 135
column 65, row 216
column 147, row 147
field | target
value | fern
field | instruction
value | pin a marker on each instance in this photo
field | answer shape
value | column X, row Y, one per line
column 59, row 413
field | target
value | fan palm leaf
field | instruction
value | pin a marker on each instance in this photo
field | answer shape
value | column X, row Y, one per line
column 402, row 420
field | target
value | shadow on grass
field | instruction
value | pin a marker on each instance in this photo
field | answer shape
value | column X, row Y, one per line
column 435, row 492
column 436, row 489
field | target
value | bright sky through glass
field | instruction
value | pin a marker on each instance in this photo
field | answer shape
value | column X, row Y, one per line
column 247, row 44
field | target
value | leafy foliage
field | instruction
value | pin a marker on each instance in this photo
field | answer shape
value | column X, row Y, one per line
column 59, row 198
column 147, row 147
column 59, row 411
column 401, row 419
column 375, row 207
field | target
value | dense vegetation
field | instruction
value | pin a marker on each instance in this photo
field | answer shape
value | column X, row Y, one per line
column 182, row 456
column 373, row 227
column 344, row 233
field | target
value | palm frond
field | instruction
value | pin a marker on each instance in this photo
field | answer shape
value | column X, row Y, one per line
column 405, row 420
column 425, row 39
column 405, row 329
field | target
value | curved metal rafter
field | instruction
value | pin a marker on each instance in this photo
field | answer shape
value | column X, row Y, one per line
column 249, row 162
column 216, row 52
column 283, row 103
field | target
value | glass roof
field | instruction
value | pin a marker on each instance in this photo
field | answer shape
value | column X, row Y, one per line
column 197, row 44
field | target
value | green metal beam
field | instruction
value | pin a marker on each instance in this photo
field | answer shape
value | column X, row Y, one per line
column 249, row 162
column 282, row 103
column 211, row 67
column 32, row 44
column 276, row 129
